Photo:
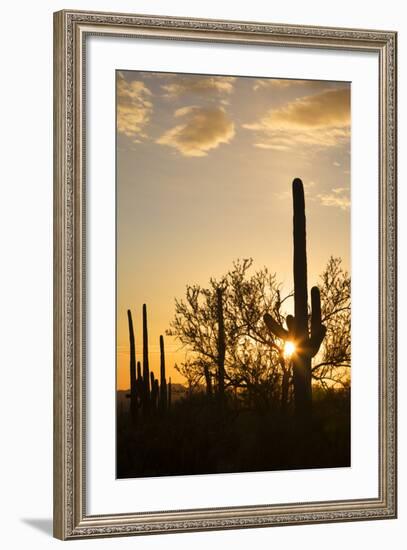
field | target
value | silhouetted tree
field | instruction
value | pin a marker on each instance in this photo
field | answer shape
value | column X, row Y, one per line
column 192, row 370
column 237, row 340
column 331, row 365
column 255, row 364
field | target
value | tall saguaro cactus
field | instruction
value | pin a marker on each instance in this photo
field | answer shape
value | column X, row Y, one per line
column 146, row 369
column 133, row 392
column 163, row 382
column 307, row 340
column 221, row 343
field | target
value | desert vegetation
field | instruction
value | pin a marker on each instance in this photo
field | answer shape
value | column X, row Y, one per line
column 264, row 389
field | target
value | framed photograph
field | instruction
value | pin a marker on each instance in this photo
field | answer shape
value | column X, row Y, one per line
column 225, row 274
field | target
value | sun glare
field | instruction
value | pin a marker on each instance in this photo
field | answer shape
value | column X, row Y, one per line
column 289, row 348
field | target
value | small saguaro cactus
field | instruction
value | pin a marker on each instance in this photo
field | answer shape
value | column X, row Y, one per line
column 146, row 370
column 163, row 382
column 306, row 341
column 154, row 392
column 140, row 386
column 133, row 384
column 169, row 393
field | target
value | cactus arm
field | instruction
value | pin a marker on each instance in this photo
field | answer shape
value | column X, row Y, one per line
column 290, row 324
column 316, row 341
column 275, row 328
column 315, row 309
column 318, row 330
column 133, row 393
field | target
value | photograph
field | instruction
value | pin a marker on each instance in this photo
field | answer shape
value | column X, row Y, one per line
column 225, row 298
column 233, row 274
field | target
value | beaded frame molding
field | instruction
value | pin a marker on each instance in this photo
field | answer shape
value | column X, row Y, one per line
column 71, row 28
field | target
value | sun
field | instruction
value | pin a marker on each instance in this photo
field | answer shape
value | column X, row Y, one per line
column 289, row 348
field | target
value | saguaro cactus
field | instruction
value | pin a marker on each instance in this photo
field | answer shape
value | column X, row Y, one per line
column 154, row 392
column 146, row 370
column 307, row 342
column 140, row 386
column 221, row 343
column 163, row 382
column 133, row 391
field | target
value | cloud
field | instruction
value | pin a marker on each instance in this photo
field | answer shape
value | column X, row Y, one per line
column 285, row 140
column 134, row 107
column 262, row 83
column 205, row 128
column 321, row 119
column 339, row 197
column 282, row 83
column 329, row 108
column 200, row 85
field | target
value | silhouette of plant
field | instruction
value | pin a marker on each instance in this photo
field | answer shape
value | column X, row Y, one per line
column 306, row 339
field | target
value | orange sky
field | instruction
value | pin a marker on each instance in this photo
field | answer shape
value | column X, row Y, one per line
column 204, row 172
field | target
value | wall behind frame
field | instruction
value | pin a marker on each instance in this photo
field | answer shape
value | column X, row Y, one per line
column 26, row 274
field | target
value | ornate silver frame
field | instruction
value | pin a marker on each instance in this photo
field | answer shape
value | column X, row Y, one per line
column 70, row 518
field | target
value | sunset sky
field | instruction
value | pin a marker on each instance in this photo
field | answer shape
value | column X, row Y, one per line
column 204, row 171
